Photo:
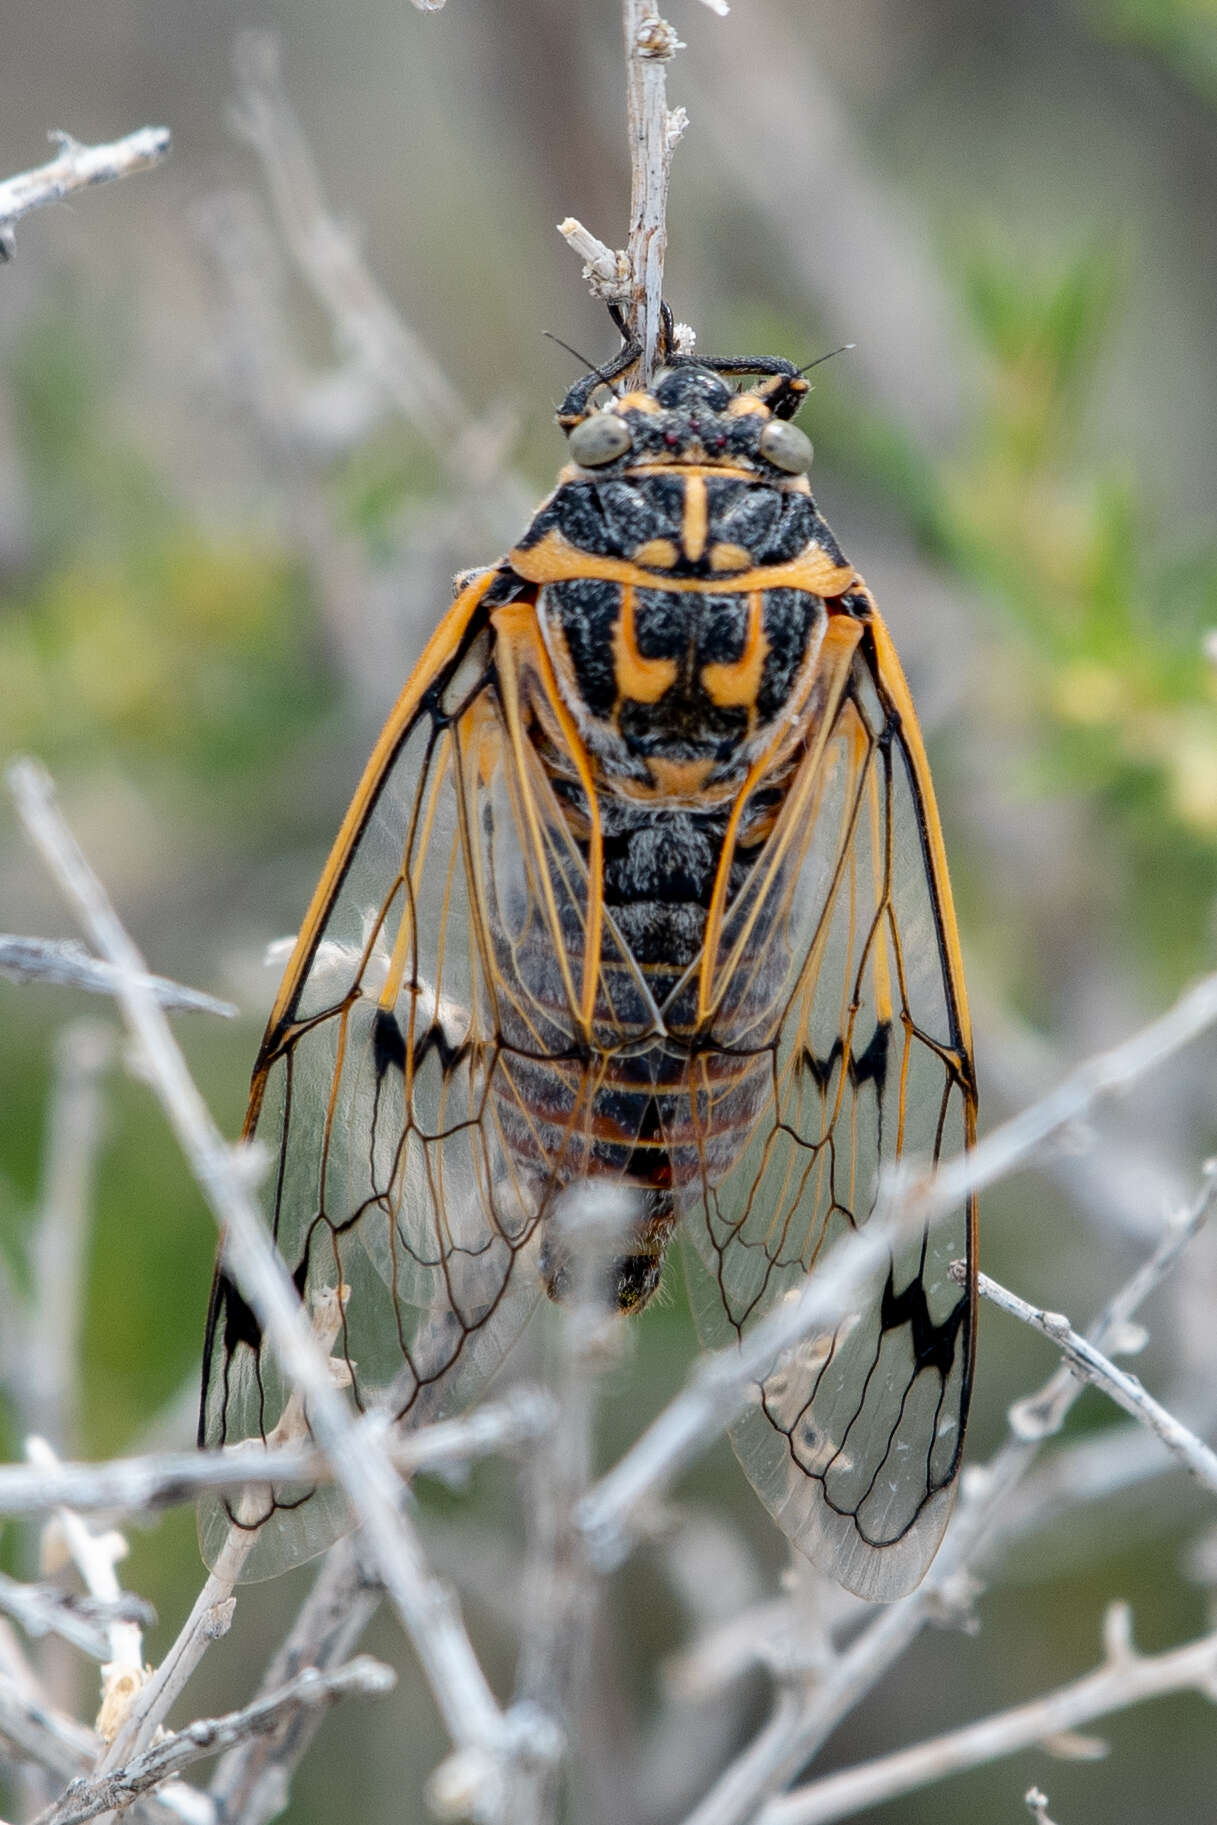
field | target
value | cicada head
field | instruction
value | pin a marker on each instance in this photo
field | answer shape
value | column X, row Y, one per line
column 689, row 414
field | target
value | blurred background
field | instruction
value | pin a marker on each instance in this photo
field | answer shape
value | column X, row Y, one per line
column 224, row 536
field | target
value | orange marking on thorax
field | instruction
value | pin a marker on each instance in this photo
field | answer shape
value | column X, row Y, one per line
column 679, row 778
column 554, row 559
column 639, row 679
column 693, row 524
column 725, row 556
column 736, row 683
column 656, row 554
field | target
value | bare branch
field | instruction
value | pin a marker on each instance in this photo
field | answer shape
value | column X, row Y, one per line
column 803, row 1720
column 632, row 279
column 58, row 1249
column 589, row 1227
column 163, row 1479
column 1125, row 1679
column 250, row 1786
column 365, row 323
column 360, row 1462
column 76, row 168
column 719, row 1386
column 88, row 1796
column 95, row 1553
column 1104, row 1075
column 650, row 44
column 1127, row 1392
column 43, row 1609
column 67, row 963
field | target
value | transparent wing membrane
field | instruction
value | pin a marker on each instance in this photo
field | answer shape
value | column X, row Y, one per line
column 853, row 1442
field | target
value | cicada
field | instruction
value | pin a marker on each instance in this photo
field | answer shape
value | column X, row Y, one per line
column 643, row 882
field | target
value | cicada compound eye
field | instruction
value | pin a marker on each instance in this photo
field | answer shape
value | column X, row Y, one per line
column 786, row 447
column 600, row 439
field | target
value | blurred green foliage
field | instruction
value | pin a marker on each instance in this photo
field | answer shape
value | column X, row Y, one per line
column 139, row 633
column 1183, row 33
column 1108, row 616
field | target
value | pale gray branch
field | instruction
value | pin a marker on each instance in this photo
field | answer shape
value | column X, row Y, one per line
column 76, row 167
column 1091, row 1365
column 650, row 44
column 43, row 1609
column 251, row 1784
column 1127, row 1678
column 719, row 1386
column 360, row 1462
column 59, row 1246
column 802, row 1720
column 89, row 1795
column 163, row 1479
column 365, row 323
column 40, row 1734
column 68, row 964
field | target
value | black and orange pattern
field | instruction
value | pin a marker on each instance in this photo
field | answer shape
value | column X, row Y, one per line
column 644, row 881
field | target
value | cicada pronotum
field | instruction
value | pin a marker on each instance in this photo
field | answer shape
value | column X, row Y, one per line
column 643, row 882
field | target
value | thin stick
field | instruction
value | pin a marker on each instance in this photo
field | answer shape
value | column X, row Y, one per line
column 1104, row 1075
column 364, row 321
column 632, row 279
column 1127, row 1392
column 58, row 1249
column 361, row 1466
column 251, row 1784
column 40, row 1734
column 89, row 1795
column 165, row 1479
column 95, row 1553
column 65, row 962
column 41, row 1609
column 718, row 1388
column 76, row 167
column 1126, row 1678
column 590, row 1225
column 650, row 44
column 802, row 1721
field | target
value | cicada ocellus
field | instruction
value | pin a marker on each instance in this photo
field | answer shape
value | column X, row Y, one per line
column 643, row 882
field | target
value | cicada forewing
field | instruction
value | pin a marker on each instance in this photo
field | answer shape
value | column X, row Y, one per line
column 409, row 1167
column 853, row 1441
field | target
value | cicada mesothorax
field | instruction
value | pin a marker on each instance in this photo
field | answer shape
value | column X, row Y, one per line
column 643, row 882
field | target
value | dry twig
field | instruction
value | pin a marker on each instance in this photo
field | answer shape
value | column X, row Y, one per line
column 1091, row 1365
column 68, row 964
column 1125, row 1678
column 803, row 1718
column 76, row 167
column 87, row 1796
column 162, row 1479
column 360, row 1462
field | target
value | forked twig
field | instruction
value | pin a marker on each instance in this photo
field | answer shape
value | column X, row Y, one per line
column 89, row 1795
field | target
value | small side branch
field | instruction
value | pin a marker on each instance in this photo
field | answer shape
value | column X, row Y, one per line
column 76, row 168
column 632, row 278
column 67, row 964
column 88, row 1796
column 1126, row 1678
column 161, row 1480
column 1127, row 1392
